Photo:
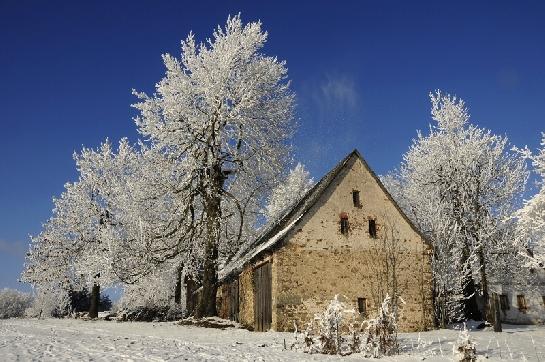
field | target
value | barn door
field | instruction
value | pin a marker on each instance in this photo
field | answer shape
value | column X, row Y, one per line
column 263, row 297
column 233, row 301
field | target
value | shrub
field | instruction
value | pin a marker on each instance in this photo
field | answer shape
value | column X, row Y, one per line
column 151, row 313
column 382, row 331
column 13, row 303
column 49, row 302
column 334, row 331
column 464, row 349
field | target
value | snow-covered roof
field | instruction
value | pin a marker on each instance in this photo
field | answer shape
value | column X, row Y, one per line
column 274, row 233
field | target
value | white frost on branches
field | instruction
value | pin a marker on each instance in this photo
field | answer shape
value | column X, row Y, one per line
column 288, row 192
column 464, row 350
column 531, row 217
column 382, row 331
column 13, row 303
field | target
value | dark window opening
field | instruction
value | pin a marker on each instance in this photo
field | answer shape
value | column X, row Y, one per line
column 543, row 300
column 521, row 302
column 344, row 225
column 356, row 198
column 504, row 302
column 362, row 306
column 372, row 229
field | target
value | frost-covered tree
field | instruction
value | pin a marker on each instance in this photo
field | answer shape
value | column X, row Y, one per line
column 79, row 244
column 288, row 191
column 222, row 114
column 51, row 261
column 459, row 184
column 531, row 217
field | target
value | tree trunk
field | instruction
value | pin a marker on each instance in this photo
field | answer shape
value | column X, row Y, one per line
column 95, row 300
column 471, row 309
column 207, row 301
column 484, row 286
column 178, row 290
column 212, row 206
column 495, row 312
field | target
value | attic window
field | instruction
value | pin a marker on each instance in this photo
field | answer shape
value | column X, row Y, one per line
column 362, row 306
column 521, row 302
column 372, row 229
column 344, row 223
column 356, row 198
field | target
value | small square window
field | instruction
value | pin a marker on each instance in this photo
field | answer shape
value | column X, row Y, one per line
column 344, row 225
column 372, row 229
column 362, row 306
column 356, row 198
column 521, row 302
column 504, row 302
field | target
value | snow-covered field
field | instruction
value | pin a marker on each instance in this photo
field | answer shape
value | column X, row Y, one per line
column 69, row 339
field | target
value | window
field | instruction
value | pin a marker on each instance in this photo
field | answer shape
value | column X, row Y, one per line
column 521, row 302
column 543, row 300
column 504, row 302
column 372, row 229
column 356, row 198
column 344, row 224
column 362, row 306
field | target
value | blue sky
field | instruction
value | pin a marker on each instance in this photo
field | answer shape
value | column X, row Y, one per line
column 362, row 71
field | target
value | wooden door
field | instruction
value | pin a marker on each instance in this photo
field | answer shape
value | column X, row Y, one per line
column 233, row 301
column 263, row 297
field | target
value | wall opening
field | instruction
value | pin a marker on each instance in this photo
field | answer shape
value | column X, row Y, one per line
column 372, row 229
column 344, row 224
column 362, row 306
column 356, row 198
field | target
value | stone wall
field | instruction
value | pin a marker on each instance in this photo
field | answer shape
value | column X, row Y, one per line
column 246, row 295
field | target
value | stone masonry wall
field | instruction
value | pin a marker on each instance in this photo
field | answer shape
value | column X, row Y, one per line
column 246, row 297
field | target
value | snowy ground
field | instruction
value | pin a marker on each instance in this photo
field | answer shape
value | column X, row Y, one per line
column 69, row 339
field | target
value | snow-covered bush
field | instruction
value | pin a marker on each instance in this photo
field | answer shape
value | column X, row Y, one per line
column 382, row 331
column 154, row 290
column 152, row 298
column 13, row 303
column 464, row 349
column 49, row 303
column 334, row 331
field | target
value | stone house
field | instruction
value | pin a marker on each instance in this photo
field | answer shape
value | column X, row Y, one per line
column 345, row 236
column 521, row 297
